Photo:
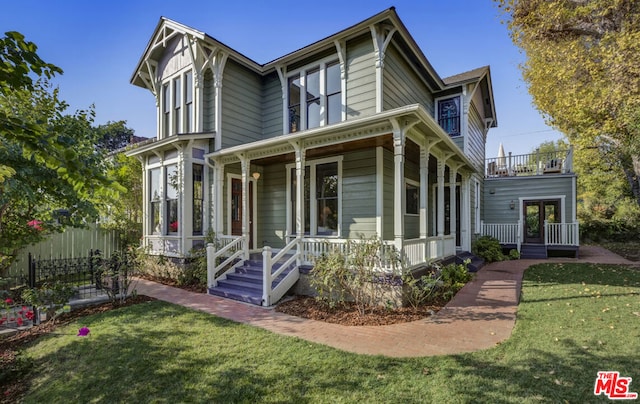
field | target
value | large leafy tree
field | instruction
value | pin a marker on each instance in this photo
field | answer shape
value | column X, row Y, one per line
column 49, row 160
column 582, row 71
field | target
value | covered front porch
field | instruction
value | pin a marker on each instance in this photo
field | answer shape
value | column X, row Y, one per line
column 397, row 178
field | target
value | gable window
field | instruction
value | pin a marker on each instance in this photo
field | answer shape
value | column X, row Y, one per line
column 449, row 115
column 177, row 105
column 315, row 96
column 188, row 102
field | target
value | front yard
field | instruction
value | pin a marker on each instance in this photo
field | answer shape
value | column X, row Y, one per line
column 573, row 321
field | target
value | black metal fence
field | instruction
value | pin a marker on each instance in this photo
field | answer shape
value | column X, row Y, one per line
column 83, row 273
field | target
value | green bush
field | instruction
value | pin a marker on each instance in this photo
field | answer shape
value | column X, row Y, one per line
column 488, row 248
column 355, row 276
column 52, row 298
column 420, row 290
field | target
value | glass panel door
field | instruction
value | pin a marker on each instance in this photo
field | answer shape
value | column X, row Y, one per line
column 532, row 225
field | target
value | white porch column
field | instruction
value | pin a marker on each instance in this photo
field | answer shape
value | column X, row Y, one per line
column 453, row 172
column 300, row 163
column 217, row 198
column 186, row 197
column 145, row 196
column 440, row 208
column 465, row 219
column 245, row 166
column 398, row 188
column 424, row 191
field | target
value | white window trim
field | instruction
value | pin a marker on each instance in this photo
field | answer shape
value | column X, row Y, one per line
column 313, row 205
column 322, row 66
column 416, row 184
column 477, row 204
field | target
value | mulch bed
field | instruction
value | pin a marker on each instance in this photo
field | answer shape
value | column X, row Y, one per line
column 348, row 313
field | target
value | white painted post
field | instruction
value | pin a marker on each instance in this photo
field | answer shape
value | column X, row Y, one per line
column 266, row 279
column 211, row 265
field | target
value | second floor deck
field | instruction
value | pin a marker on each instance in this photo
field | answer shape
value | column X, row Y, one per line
column 537, row 163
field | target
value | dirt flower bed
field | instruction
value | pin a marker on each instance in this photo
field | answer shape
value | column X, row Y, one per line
column 348, row 314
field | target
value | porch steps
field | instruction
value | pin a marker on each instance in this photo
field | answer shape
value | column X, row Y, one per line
column 245, row 283
column 475, row 262
column 533, row 251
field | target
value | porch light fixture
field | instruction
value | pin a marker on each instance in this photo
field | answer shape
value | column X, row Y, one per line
column 256, row 176
column 512, row 204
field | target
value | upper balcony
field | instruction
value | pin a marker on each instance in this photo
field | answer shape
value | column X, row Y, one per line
column 524, row 165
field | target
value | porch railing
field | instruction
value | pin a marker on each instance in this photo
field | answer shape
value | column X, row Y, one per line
column 415, row 252
column 538, row 163
column 506, row 233
column 292, row 253
column 567, row 234
column 562, row 234
column 224, row 257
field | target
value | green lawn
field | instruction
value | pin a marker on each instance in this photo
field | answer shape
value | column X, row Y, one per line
column 573, row 321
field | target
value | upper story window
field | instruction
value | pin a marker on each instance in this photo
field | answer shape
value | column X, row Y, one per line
column 449, row 115
column 177, row 105
column 315, row 97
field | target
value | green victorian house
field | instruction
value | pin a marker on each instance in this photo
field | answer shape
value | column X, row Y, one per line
column 352, row 136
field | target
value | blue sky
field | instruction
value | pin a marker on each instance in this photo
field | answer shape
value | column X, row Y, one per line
column 99, row 43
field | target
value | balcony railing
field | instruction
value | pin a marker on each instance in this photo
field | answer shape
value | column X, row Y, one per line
column 539, row 163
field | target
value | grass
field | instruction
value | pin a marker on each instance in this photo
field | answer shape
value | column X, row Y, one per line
column 573, row 320
column 628, row 249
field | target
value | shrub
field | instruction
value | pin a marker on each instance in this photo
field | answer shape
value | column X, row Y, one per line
column 419, row 290
column 488, row 248
column 114, row 275
column 355, row 276
column 52, row 298
column 514, row 254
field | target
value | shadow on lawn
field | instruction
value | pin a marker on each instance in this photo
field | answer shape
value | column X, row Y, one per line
column 542, row 376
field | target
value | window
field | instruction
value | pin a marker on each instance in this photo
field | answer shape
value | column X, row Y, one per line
column 327, row 199
column 198, row 197
column 188, row 102
column 294, row 103
column 321, row 199
column 315, row 97
column 155, row 197
column 172, row 186
column 166, row 109
column 449, row 115
column 334, row 93
column 412, row 198
column 177, row 105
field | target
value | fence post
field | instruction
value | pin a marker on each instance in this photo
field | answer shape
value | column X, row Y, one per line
column 32, row 272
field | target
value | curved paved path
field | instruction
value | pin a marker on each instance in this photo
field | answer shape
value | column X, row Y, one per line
column 481, row 315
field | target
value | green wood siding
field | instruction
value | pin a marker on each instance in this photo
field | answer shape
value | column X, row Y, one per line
column 271, row 106
column 208, row 103
column 272, row 206
column 361, row 78
column 476, row 143
column 496, row 204
column 359, row 194
column 241, row 105
column 401, row 84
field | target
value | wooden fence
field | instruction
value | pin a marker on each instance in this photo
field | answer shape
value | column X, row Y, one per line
column 71, row 243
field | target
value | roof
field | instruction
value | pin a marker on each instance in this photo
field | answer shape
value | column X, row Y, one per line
column 471, row 75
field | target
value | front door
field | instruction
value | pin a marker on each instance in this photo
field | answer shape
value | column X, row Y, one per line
column 535, row 214
column 236, row 209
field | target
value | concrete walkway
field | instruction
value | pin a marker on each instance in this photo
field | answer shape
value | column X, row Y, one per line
column 481, row 315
